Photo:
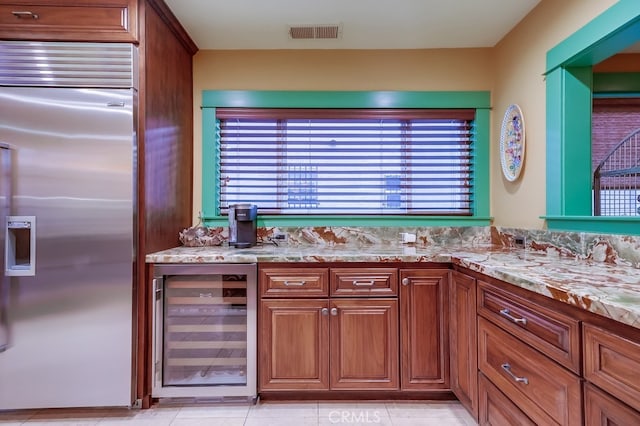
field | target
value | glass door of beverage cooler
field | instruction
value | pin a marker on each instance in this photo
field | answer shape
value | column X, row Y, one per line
column 206, row 330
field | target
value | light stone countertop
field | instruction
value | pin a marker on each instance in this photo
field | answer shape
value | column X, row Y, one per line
column 610, row 290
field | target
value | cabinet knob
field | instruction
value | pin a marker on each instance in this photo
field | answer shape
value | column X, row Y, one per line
column 334, row 311
column 406, row 281
column 325, row 311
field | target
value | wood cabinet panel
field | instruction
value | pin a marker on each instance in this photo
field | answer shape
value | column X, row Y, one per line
column 495, row 409
column 364, row 282
column 545, row 391
column 552, row 333
column 294, row 282
column 293, row 345
column 463, row 341
column 424, row 328
column 364, row 344
column 602, row 409
column 78, row 20
column 612, row 363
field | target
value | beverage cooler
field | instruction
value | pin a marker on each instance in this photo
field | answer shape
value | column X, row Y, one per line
column 204, row 343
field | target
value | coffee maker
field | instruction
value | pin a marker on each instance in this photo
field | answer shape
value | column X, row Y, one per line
column 243, row 225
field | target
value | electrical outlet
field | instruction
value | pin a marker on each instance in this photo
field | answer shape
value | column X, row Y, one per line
column 520, row 241
column 280, row 236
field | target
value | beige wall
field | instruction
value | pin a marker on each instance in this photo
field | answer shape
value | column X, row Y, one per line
column 459, row 69
column 520, row 60
column 512, row 71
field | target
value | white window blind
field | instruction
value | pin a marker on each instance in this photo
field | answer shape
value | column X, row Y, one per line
column 311, row 161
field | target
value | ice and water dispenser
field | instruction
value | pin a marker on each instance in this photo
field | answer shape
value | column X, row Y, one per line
column 20, row 246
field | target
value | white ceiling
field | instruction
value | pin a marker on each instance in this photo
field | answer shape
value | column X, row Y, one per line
column 366, row 24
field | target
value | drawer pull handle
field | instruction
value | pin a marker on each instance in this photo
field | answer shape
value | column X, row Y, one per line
column 206, row 295
column 25, row 14
column 363, row 283
column 507, row 313
column 506, row 367
column 334, row 312
column 294, row 283
column 406, row 281
column 325, row 311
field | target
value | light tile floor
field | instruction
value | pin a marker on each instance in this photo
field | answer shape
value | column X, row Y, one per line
column 397, row 413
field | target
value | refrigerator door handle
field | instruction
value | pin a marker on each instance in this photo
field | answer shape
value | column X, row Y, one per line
column 5, row 196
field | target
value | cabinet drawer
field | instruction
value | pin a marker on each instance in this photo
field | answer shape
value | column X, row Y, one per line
column 602, row 409
column 496, row 409
column 544, row 391
column 612, row 363
column 88, row 20
column 552, row 333
column 293, row 282
column 364, row 281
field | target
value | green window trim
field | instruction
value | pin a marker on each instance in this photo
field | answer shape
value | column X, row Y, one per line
column 616, row 85
column 479, row 100
column 570, row 89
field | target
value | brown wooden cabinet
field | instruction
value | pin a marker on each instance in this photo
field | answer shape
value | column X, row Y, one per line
column 542, row 389
column 69, row 20
column 463, row 340
column 423, row 329
column 510, row 356
column 364, row 344
column 531, row 353
column 294, row 346
column 308, row 341
column 495, row 409
column 319, row 345
column 553, row 333
column 601, row 409
column 612, row 362
column 537, row 352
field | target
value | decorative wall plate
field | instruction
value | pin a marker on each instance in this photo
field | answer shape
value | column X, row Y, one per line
column 512, row 143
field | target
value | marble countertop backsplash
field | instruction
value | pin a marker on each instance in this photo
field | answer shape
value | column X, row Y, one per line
column 598, row 273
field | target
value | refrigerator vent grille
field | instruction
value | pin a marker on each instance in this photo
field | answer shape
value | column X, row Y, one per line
column 66, row 64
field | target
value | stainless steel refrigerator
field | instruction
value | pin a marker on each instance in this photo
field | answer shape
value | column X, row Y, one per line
column 67, row 146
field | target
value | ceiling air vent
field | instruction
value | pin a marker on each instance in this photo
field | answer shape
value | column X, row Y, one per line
column 314, row 32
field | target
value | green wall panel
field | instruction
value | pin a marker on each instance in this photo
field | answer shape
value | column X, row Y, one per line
column 576, row 156
column 570, row 90
column 614, row 30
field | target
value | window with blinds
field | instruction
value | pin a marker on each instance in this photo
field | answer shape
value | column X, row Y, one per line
column 346, row 161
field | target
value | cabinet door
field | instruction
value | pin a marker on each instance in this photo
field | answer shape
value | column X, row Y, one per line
column 612, row 363
column 423, row 329
column 601, row 409
column 293, row 344
column 463, row 339
column 364, row 344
